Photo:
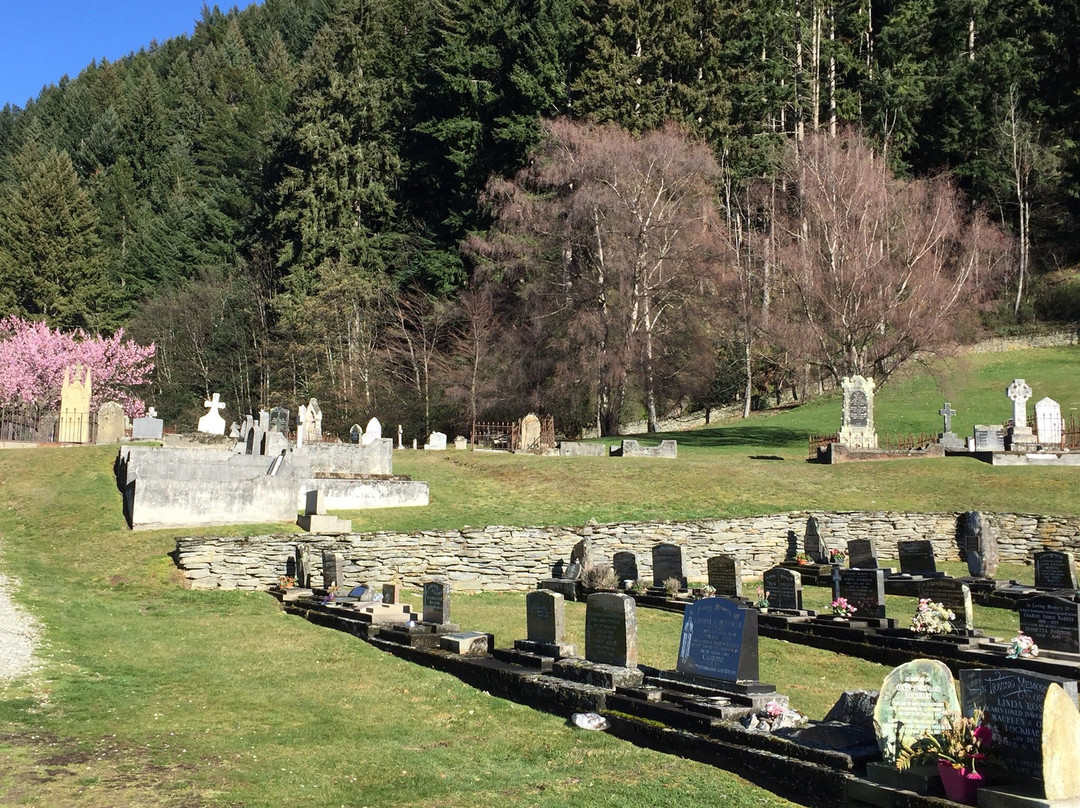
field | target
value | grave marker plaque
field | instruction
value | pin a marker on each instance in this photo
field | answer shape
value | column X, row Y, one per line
column 545, row 619
column 1013, row 703
column 625, row 565
column 989, row 438
column 865, row 590
column 611, row 630
column 953, row 595
column 783, row 588
column 916, row 557
column 857, row 429
column 862, row 554
column 725, row 575
column 719, row 641
column 436, row 602
column 915, row 699
column 667, row 563
column 1054, row 570
column 1054, row 623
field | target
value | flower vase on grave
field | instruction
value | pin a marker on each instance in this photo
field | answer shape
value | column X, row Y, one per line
column 960, row 785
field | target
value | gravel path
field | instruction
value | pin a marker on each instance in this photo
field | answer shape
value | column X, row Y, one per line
column 18, row 636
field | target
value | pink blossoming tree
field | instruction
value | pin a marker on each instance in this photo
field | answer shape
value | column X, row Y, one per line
column 33, row 358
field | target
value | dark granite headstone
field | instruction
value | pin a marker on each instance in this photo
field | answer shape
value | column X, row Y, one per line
column 1054, row 570
column 783, row 588
column 953, row 595
column 1053, row 623
column 545, row 616
column 354, row 433
column 916, row 557
column 865, row 590
column 719, row 641
column 862, row 554
column 391, row 594
column 725, row 574
column 1013, row 702
column 813, row 545
column 667, row 563
column 979, row 544
column 611, row 629
column 279, row 420
column 625, row 565
column 436, row 602
column 332, row 565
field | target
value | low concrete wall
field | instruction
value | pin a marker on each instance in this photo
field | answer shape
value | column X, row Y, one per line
column 571, row 449
column 515, row 558
column 352, row 494
column 631, row 448
column 156, row 502
column 351, row 458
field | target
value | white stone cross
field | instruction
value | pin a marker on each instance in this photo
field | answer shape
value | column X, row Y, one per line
column 212, row 423
column 151, row 412
column 1019, row 392
column 947, row 412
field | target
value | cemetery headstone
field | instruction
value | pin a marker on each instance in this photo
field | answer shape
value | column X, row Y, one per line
column 719, row 640
column 148, row 427
column 813, row 544
column 1013, row 703
column 857, row 429
column 625, row 565
column 1052, row 622
column 1021, row 437
column 354, row 434
column 916, row 698
column 1060, row 747
column 332, row 566
column 372, row 432
column 979, row 544
column 581, row 560
column 545, row 616
column 436, row 442
column 1048, row 423
column 303, row 565
column 783, row 588
column 212, row 423
column 75, row 394
column 862, row 554
column 264, row 419
column 313, row 421
column 611, row 630
column 110, row 422
column 436, row 602
column 1055, row 570
column 530, row 432
column 865, row 590
column 391, row 594
column 989, row 438
column 401, row 445
column 461, row 443
column 953, row 595
column 917, row 558
column 667, row 563
column 948, row 438
column 725, row 575
column 279, row 420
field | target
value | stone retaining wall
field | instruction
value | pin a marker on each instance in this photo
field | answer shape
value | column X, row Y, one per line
column 515, row 558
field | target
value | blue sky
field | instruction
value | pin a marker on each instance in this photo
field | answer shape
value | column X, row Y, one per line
column 41, row 41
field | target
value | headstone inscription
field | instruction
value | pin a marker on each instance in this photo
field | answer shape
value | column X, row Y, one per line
column 436, row 602
column 813, row 544
column 719, row 641
column 916, row 698
column 1012, row 701
column 954, row 596
column 1048, row 423
column 1052, row 622
column 989, row 438
column 76, row 390
column 865, row 590
column 279, row 420
column 1055, row 570
column 625, row 565
column 857, row 430
column 725, row 575
column 783, row 588
column 545, row 616
column 979, row 544
column 110, row 422
column 212, row 423
column 667, row 562
column 611, row 629
column 862, row 554
column 917, row 558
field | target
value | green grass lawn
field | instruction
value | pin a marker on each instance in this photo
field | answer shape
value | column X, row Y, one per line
column 153, row 695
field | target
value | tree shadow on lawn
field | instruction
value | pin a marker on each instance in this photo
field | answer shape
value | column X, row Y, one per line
column 725, row 436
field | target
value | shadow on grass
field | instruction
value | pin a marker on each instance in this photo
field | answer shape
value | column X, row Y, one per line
column 742, row 435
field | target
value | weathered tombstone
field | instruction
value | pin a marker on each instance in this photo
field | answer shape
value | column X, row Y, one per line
column 948, row 438
column 1060, row 746
column 783, row 588
column 332, row 566
column 436, row 442
column 611, row 630
column 979, row 544
column 1052, row 622
column 1048, row 423
column 530, row 432
column 862, row 554
column 303, row 565
column 917, row 558
column 1054, row 570
column 313, row 421
column 212, row 423
column 354, row 434
column 581, row 560
column 725, row 575
column 372, row 432
column 667, row 563
column 110, row 422
column 624, row 563
column 1021, row 438
column 264, row 419
column 436, row 602
column 857, row 429
column 989, row 438
column 279, row 420
column 461, row 443
column 953, row 595
column 75, row 394
column 545, row 616
column 916, row 698
column 315, row 502
column 719, row 641
column 148, row 427
column 865, row 590
column 813, row 544
column 391, row 594
column 1013, row 703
